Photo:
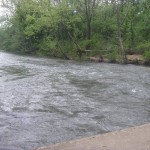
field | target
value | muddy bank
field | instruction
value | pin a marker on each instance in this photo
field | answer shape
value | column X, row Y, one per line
column 131, row 59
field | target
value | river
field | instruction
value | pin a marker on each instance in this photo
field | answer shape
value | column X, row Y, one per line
column 44, row 101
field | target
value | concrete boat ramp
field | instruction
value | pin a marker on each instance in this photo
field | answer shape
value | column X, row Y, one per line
column 135, row 138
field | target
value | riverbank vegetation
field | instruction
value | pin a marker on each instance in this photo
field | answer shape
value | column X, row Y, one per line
column 99, row 30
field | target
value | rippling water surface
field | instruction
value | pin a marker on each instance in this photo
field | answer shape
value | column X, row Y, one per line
column 44, row 101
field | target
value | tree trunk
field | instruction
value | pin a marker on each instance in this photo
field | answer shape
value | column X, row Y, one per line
column 123, row 55
column 88, row 20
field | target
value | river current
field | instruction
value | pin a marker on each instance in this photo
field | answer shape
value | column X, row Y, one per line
column 45, row 101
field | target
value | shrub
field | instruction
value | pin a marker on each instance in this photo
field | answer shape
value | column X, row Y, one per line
column 143, row 47
column 113, row 56
column 46, row 47
column 146, row 56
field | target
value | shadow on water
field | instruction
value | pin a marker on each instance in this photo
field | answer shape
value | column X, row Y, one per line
column 44, row 101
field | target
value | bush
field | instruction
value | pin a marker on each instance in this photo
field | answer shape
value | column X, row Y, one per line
column 66, row 50
column 46, row 47
column 143, row 47
column 88, row 44
column 146, row 56
column 112, row 56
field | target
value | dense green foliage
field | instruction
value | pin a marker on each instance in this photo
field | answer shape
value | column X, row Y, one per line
column 67, row 28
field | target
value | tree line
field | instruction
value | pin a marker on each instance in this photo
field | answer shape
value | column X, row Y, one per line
column 77, row 29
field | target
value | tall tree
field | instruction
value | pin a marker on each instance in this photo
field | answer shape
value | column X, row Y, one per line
column 123, row 54
column 89, row 6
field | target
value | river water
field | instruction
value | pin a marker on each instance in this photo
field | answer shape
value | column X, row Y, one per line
column 44, row 101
